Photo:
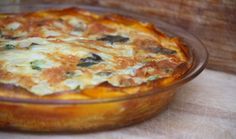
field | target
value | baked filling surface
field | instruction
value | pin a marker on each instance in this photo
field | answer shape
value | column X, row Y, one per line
column 52, row 51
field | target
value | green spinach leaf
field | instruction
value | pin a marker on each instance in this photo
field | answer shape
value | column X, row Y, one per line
column 113, row 38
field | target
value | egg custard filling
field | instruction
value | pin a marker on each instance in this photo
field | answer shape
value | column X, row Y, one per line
column 51, row 51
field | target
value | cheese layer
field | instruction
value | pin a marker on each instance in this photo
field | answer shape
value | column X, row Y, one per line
column 47, row 52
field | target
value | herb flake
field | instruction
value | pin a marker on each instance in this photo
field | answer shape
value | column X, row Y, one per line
column 69, row 74
column 89, row 61
column 113, row 38
column 163, row 50
column 1, row 34
column 37, row 64
column 9, row 46
column 86, row 64
column 104, row 73
column 167, row 51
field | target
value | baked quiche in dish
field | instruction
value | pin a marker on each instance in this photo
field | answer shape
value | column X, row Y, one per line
column 77, row 54
column 89, row 68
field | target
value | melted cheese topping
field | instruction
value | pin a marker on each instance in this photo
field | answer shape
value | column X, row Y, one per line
column 48, row 52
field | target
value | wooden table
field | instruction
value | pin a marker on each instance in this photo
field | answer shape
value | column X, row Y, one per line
column 203, row 109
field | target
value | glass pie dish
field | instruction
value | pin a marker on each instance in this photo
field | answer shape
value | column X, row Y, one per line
column 58, row 115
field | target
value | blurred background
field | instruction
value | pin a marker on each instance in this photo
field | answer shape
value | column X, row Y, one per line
column 212, row 21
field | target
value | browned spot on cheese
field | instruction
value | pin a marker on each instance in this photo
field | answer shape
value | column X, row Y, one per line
column 69, row 62
column 127, row 81
column 144, row 71
column 54, row 75
column 97, row 28
column 6, row 75
column 128, row 21
column 145, row 44
column 57, row 74
column 26, row 81
column 1, row 63
column 167, row 64
column 123, row 62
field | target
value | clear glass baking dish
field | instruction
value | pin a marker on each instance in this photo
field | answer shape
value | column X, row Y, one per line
column 45, row 115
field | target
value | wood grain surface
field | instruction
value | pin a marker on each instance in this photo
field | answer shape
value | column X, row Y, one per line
column 213, row 21
column 205, row 108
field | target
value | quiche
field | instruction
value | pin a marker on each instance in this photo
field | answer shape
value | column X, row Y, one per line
column 76, row 54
